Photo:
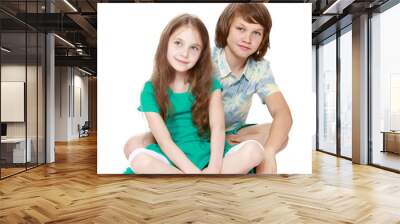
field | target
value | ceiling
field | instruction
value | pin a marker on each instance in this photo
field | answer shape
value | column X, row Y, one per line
column 76, row 22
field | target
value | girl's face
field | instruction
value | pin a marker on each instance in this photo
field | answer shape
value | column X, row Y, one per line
column 184, row 48
column 244, row 38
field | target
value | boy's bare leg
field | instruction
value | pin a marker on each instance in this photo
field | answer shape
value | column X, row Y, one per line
column 145, row 164
column 243, row 160
column 260, row 133
column 138, row 141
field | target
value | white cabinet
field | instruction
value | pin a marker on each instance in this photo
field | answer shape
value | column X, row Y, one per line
column 18, row 149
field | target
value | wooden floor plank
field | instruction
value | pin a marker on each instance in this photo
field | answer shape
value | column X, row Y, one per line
column 70, row 191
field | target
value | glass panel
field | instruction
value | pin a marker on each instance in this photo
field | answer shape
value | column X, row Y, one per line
column 346, row 94
column 386, row 89
column 327, row 97
column 23, row 84
column 13, row 87
column 41, row 98
column 31, row 100
column 77, row 111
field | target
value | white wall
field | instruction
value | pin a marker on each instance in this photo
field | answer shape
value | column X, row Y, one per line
column 79, row 117
column 62, row 81
column 68, row 81
column 33, row 127
column 17, row 73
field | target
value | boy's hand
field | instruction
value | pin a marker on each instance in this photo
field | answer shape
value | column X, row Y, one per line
column 238, row 138
column 234, row 139
column 268, row 166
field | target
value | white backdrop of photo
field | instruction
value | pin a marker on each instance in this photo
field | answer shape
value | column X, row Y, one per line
column 128, row 36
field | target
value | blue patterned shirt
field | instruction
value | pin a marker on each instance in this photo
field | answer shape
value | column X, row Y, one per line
column 238, row 91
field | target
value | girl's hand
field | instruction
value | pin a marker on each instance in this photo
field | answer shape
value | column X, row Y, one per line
column 210, row 170
column 193, row 170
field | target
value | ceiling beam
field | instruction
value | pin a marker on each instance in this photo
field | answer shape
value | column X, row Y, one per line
column 337, row 7
column 84, row 24
column 85, row 61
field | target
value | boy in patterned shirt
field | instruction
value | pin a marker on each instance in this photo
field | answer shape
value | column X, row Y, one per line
column 242, row 39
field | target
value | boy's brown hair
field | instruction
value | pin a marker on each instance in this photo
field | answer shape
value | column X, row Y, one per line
column 251, row 13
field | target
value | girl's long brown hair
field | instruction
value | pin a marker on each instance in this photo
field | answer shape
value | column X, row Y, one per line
column 199, row 76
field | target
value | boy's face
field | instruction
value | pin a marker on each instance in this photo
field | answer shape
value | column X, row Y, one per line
column 244, row 38
column 184, row 48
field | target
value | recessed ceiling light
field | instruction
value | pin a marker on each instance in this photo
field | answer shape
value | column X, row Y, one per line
column 337, row 7
column 5, row 49
column 64, row 40
column 84, row 71
column 70, row 5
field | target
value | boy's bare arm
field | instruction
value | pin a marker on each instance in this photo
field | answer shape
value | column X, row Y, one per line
column 281, row 124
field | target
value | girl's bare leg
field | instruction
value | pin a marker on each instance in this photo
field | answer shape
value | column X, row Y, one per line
column 146, row 164
column 250, row 155
column 138, row 141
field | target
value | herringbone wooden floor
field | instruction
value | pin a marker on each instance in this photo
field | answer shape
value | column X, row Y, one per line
column 70, row 191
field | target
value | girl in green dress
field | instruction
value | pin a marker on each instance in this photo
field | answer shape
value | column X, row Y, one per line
column 183, row 106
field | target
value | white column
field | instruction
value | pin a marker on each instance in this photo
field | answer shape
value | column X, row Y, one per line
column 50, row 93
column 360, row 90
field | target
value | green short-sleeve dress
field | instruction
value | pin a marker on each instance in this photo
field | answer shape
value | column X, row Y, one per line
column 180, row 125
